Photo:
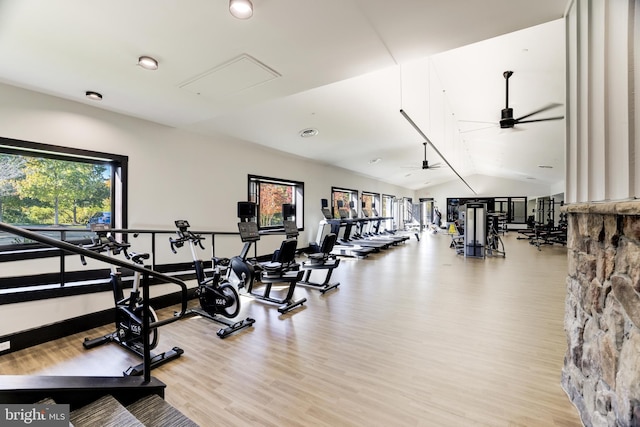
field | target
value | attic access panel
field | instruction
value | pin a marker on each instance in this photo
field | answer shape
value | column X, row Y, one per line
column 236, row 75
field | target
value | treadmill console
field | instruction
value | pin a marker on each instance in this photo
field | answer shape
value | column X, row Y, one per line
column 248, row 231
column 182, row 224
column 327, row 213
column 290, row 228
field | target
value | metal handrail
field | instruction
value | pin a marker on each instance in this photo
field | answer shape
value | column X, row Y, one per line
column 73, row 249
column 24, row 232
column 146, row 326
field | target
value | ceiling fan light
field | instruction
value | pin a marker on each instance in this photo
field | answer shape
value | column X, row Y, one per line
column 241, row 9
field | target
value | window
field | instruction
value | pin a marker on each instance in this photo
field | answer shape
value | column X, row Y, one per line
column 514, row 208
column 269, row 194
column 370, row 201
column 387, row 205
column 404, row 212
column 45, row 186
column 345, row 196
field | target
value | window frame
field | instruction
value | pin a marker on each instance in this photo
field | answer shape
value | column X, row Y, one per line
column 375, row 200
column 253, row 186
column 119, row 192
column 387, row 205
column 354, row 197
column 454, row 203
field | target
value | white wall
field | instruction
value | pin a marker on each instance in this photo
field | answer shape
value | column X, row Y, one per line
column 172, row 175
column 603, row 126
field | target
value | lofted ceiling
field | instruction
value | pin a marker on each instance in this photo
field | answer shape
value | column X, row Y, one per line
column 343, row 67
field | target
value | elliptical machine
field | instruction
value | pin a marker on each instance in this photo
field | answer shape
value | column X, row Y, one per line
column 129, row 310
column 215, row 293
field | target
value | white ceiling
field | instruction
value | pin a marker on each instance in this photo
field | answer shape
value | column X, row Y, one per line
column 344, row 67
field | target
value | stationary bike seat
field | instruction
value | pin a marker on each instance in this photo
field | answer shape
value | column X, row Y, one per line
column 224, row 262
column 138, row 258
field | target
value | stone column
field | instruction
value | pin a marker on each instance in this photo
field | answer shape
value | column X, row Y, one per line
column 601, row 371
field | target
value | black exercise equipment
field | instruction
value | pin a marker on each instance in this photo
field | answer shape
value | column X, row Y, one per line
column 495, row 246
column 216, row 295
column 281, row 269
column 129, row 310
column 372, row 233
column 340, row 248
column 321, row 260
column 348, row 238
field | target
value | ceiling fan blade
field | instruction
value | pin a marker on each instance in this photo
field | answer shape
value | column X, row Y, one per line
column 541, row 110
column 477, row 121
column 428, row 166
column 493, row 126
column 539, row 120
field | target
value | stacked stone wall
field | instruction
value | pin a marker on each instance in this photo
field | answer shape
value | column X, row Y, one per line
column 601, row 371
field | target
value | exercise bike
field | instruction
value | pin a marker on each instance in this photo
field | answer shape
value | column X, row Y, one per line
column 281, row 269
column 129, row 310
column 216, row 295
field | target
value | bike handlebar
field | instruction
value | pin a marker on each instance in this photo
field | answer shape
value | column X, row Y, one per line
column 185, row 236
column 106, row 243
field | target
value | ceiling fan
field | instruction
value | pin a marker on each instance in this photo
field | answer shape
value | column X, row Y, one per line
column 425, row 163
column 507, row 121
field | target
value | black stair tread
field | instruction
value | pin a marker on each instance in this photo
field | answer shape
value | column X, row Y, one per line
column 154, row 411
column 104, row 412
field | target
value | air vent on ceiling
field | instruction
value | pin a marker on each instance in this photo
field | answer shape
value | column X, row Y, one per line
column 308, row 133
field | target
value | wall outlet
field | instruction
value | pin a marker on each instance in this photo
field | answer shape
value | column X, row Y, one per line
column 4, row 346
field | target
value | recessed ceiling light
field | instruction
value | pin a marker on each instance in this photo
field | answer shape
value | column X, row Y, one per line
column 241, row 9
column 308, row 133
column 545, row 167
column 148, row 63
column 95, row 96
column 374, row 161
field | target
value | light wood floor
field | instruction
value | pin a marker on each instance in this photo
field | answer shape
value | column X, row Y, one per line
column 414, row 336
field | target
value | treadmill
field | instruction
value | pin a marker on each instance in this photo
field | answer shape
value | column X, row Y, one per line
column 371, row 235
column 392, row 232
column 398, row 238
column 340, row 249
column 348, row 227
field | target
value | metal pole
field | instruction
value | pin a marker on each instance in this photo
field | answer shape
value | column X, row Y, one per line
column 146, row 357
column 426, row 138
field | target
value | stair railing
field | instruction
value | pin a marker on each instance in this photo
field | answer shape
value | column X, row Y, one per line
column 146, row 273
